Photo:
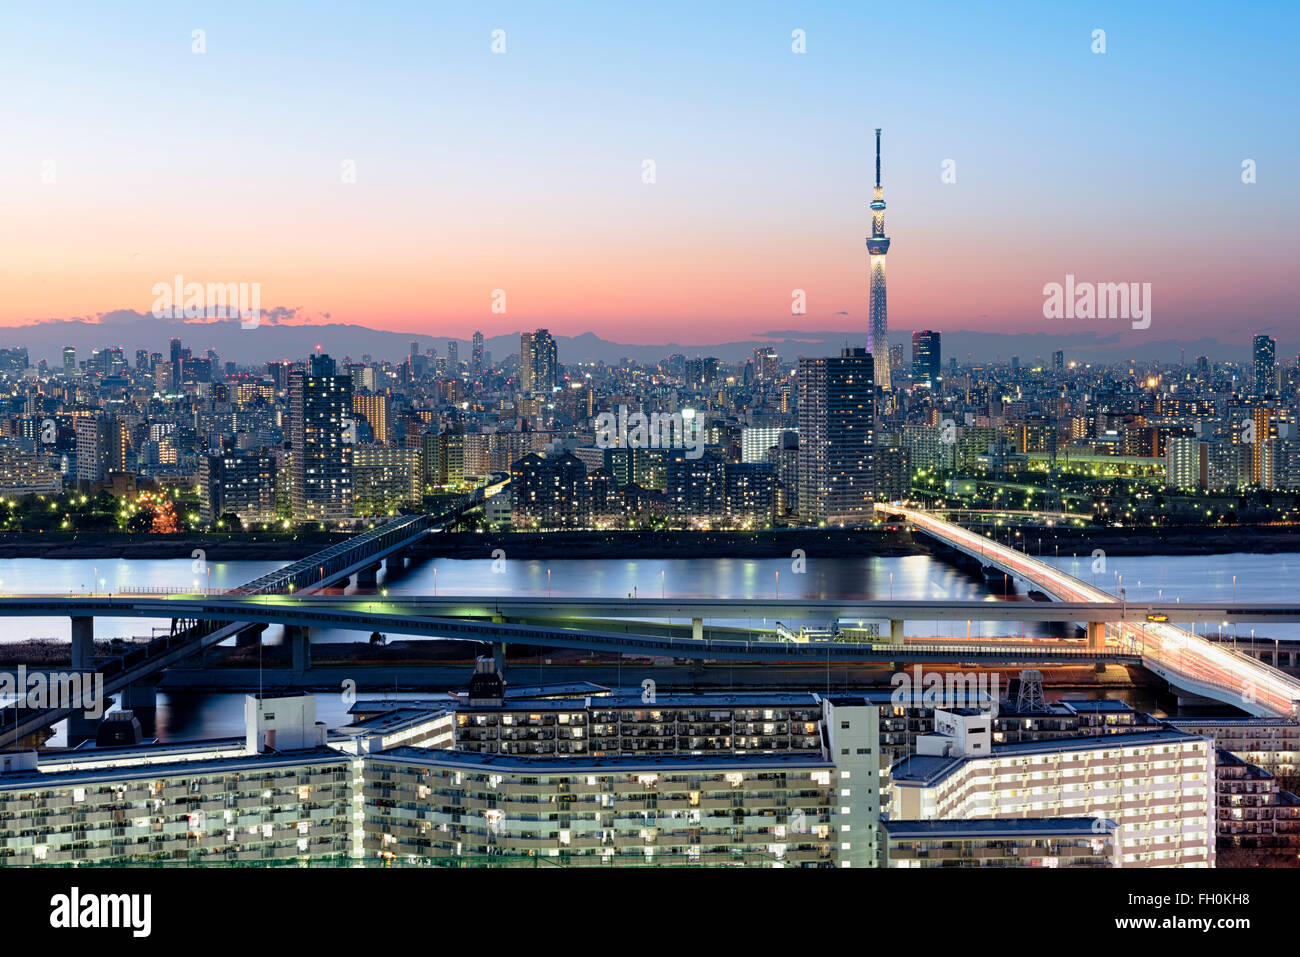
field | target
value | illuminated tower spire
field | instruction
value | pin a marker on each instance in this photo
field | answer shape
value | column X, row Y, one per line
column 877, row 247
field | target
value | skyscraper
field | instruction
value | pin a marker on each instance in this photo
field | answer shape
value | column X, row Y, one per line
column 69, row 360
column 877, row 247
column 925, row 358
column 476, row 354
column 1058, row 361
column 525, row 363
column 176, row 364
column 323, row 435
column 837, row 413
column 453, row 356
column 538, row 363
column 1265, row 355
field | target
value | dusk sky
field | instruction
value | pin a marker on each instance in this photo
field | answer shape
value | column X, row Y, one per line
column 522, row 171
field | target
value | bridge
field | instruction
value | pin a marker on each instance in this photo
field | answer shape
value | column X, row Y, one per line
column 281, row 607
column 360, row 555
column 1185, row 660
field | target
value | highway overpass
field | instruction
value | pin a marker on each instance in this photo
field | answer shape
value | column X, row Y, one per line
column 1183, row 659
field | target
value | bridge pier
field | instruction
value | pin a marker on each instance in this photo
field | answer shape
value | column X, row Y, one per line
column 1097, row 634
column 499, row 656
column 250, row 636
column 697, row 629
column 83, row 643
column 81, row 728
column 368, row 576
column 139, row 694
column 299, row 639
column 895, row 631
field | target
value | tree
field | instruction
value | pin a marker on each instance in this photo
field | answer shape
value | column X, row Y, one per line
column 230, row 522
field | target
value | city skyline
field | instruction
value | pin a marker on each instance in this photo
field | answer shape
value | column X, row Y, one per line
column 454, row 199
column 480, row 438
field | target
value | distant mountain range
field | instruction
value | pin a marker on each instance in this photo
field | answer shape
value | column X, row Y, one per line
column 276, row 340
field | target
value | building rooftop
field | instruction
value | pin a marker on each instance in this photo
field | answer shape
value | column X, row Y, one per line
column 1096, row 705
column 999, row 827
column 929, row 769
column 396, row 719
column 27, row 780
column 782, row 761
column 755, row 699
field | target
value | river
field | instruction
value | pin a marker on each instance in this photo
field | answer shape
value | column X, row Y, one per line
column 1190, row 578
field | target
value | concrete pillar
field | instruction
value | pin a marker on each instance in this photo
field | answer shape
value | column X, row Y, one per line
column 300, row 640
column 1097, row 634
column 499, row 656
column 368, row 576
column 250, row 637
column 697, row 628
column 895, row 631
column 81, row 728
column 83, row 643
column 140, row 694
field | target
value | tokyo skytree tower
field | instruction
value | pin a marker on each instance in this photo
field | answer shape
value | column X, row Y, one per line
column 877, row 246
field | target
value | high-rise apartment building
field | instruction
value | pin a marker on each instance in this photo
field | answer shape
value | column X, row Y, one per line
column 837, row 412
column 1264, row 355
column 1157, row 786
column 240, row 484
column 102, row 445
column 476, row 354
column 538, row 364
column 1187, row 463
column 323, row 435
column 377, row 410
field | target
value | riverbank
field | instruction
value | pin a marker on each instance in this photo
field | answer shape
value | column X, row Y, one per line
column 1171, row 540
column 259, row 546
column 769, row 543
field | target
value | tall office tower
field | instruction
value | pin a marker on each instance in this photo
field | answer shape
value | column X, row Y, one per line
column 176, row 364
column 69, row 360
column 837, row 413
column 141, row 360
column 767, row 365
column 877, row 247
column 1265, row 355
column 323, row 435
column 1015, row 367
column 415, row 347
column 453, row 356
column 1058, row 361
column 1202, row 364
column 538, row 364
column 925, row 358
column 476, row 354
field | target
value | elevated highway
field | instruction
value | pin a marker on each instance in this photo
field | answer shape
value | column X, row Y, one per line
column 191, row 632
column 1183, row 659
